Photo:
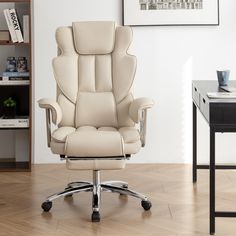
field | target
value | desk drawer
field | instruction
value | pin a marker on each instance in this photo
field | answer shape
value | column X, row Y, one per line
column 196, row 96
column 223, row 113
column 204, row 107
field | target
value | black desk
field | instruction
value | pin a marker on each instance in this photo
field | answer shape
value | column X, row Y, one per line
column 220, row 114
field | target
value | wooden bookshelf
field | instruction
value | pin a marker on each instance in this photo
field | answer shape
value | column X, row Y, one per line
column 20, row 158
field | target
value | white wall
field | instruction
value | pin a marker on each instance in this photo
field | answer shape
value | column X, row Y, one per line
column 169, row 58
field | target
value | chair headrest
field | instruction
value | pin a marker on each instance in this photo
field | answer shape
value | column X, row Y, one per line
column 94, row 37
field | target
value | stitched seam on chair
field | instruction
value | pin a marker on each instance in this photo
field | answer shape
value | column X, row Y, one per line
column 131, row 84
column 129, row 94
column 132, row 142
column 129, row 55
column 58, row 141
column 59, row 85
column 128, row 115
column 64, row 139
column 112, row 84
column 60, row 101
column 122, row 145
column 78, row 92
column 66, row 143
column 95, row 72
column 116, row 113
column 134, row 58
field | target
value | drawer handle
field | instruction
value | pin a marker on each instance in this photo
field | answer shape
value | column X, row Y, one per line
column 195, row 89
column 204, row 101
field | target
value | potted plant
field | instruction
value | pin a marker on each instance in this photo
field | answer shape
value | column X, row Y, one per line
column 9, row 108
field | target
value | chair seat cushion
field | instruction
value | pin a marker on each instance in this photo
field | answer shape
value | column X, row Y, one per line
column 129, row 134
column 94, row 143
column 60, row 135
column 88, row 141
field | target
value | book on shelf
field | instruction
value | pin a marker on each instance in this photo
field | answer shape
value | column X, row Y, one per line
column 16, row 78
column 221, row 95
column 14, row 82
column 10, row 25
column 13, row 25
column 16, row 25
column 17, row 122
column 4, row 36
column 16, row 74
column 26, row 28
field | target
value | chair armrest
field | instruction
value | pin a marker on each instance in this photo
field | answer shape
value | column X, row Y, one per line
column 138, row 113
column 54, row 107
column 139, row 105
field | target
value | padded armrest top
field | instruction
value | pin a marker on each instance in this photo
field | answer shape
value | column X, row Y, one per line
column 48, row 103
column 137, row 106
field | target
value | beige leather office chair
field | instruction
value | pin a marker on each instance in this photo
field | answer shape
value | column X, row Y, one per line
column 95, row 111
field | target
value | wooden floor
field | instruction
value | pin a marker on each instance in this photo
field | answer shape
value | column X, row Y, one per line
column 179, row 207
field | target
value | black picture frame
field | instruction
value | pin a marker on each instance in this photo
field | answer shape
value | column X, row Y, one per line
column 140, row 25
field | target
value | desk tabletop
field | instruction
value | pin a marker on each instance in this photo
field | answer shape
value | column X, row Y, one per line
column 211, row 86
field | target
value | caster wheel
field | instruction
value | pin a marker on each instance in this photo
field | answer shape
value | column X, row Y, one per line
column 126, row 187
column 46, row 206
column 146, row 205
column 96, row 216
column 69, row 195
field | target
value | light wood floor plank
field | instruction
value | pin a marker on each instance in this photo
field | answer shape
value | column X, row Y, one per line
column 179, row 207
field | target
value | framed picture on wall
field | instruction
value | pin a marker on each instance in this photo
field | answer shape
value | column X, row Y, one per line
column 170, row 12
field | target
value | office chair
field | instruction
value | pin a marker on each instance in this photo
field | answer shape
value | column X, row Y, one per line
column 95, row 111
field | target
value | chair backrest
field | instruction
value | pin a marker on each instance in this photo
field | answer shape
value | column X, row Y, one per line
column 94, row 74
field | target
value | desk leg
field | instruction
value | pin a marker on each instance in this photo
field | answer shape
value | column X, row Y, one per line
column 212, row 181
column 194, row 143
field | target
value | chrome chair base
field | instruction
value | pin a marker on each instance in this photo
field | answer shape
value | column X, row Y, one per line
column 96, row 188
